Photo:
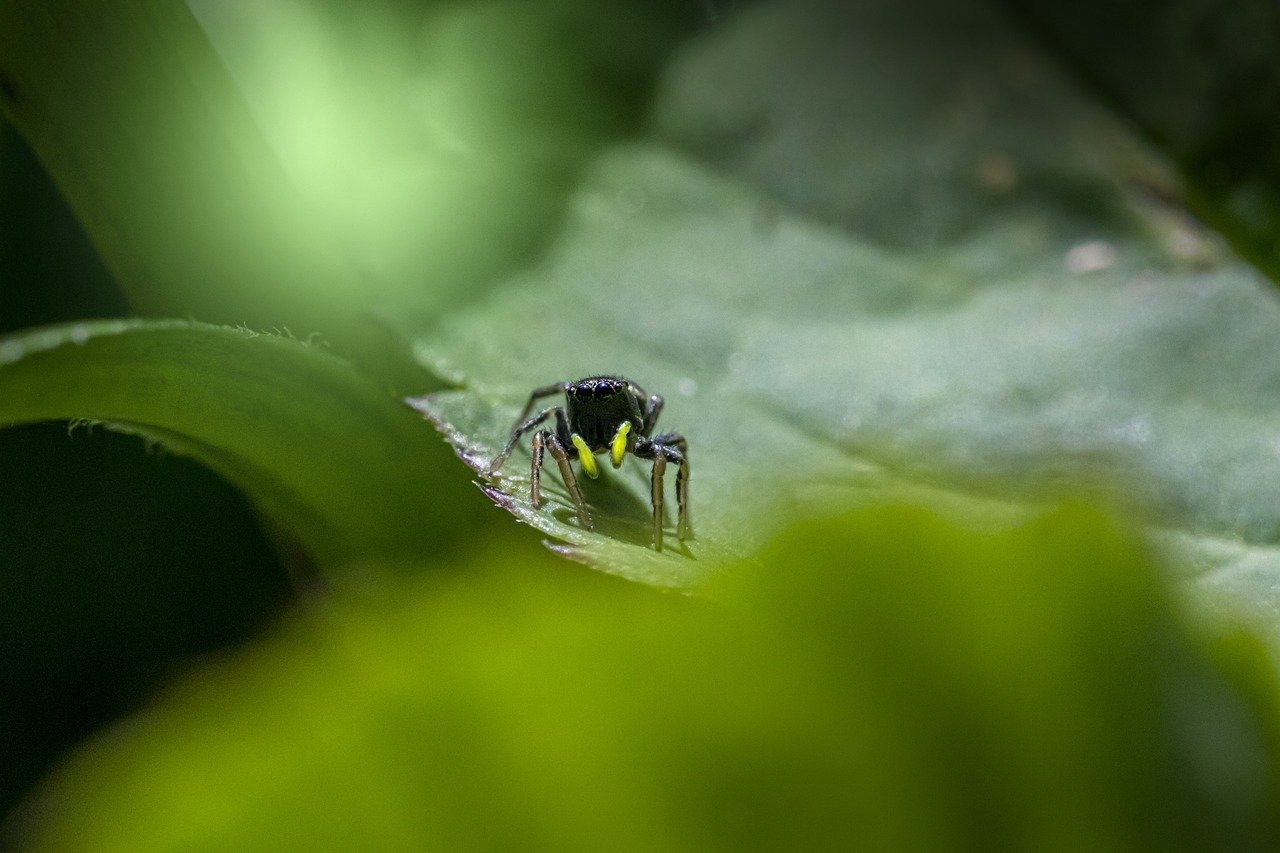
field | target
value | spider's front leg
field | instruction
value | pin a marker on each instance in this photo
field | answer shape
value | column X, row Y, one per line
column 545, row 439
column 523, row 426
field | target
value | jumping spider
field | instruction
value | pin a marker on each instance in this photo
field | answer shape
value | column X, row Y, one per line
column 603, row 414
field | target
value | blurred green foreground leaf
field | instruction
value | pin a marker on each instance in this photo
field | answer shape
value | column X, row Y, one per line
column 884, row 680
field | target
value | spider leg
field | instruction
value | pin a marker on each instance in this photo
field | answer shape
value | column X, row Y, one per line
column 655, row 496
column 546, row 438
column 672, row 439
column 682, row 498
column 677, row 450
column 669, row 447
column 651, row 411
column 537, row 394
column 563, row 435
column 535, row 472
column 522, row 426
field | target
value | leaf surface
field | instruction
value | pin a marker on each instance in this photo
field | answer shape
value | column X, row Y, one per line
column 864, row 257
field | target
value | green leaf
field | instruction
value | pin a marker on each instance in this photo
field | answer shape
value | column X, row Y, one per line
column 888, row 252
column 884, row 681
column 139, row 125
column 331, row 459
column 1201, row 80
column 295, row 163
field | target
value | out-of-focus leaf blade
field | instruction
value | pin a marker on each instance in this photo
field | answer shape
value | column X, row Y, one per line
column 868, row 257
column 325, row 453
column 296, row 163
column 1202, row 81
column 138, row 123
column 885, row 681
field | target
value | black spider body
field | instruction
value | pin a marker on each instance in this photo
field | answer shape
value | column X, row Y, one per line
column 603, row 414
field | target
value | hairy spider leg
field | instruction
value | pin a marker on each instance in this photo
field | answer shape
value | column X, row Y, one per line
column 661, row 453
column 537, row 394
column 651, row 411
column 655, row 496
column 676, row 440
column 522, row 427
column 545, row 438
column 672, row 439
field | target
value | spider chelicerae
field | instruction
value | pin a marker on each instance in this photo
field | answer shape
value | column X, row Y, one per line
column 603, row 414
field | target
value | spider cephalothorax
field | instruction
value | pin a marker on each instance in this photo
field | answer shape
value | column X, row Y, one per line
column 603, row 414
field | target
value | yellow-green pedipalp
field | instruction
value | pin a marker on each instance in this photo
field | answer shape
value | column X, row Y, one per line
column 619, row 447
column 588, row 459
